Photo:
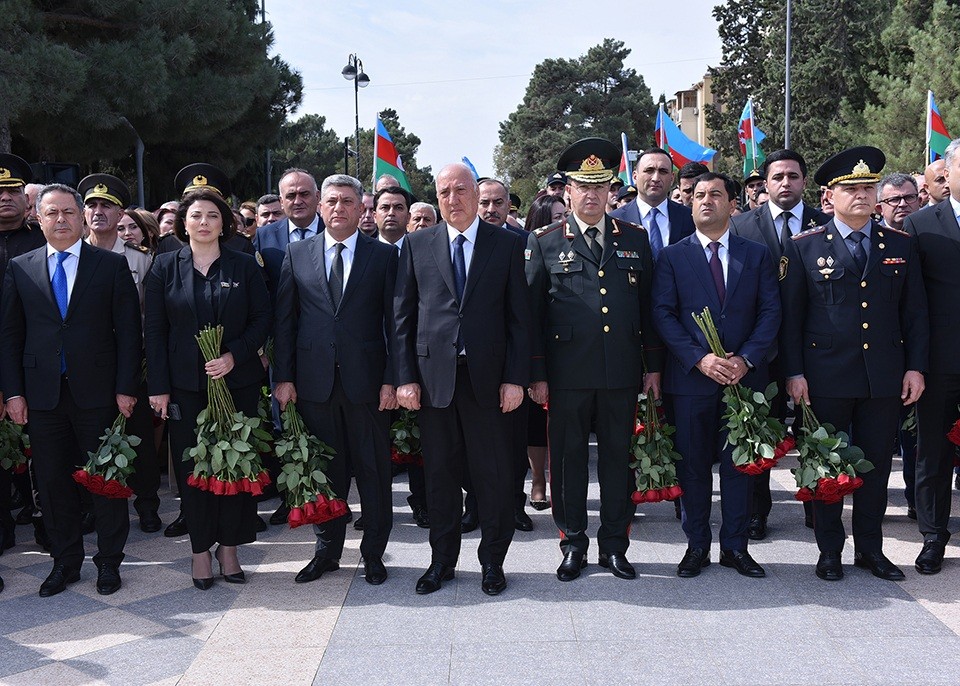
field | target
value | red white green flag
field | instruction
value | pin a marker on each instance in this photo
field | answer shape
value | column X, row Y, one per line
column 624, row 173
column 937, row 137
column 386, row 159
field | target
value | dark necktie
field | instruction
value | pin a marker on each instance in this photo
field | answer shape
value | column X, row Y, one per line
column 60, row 293
column 855, row 243
column 592, row 233
column 459, row 266
column 301, row 234
column 656, row 240
column 785, row 232
column 716, row 269
column 336, row 276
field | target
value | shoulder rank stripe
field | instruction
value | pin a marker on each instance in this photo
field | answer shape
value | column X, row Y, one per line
column 810, row 232
column 549, row 228
column 621, row 222
column 890, row 228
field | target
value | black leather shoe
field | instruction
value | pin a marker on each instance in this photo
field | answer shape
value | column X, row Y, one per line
column 203, row 584
column 469, row 522
column 315, row 569
column 88, row 523
column 493, row 580
column 261, row 525
column 421, row 517
column 879, row 566
column 618, row 564
column 757, row 528
column 57, row 581
column 236, row 577
column 570, row 568
column 280, row 516
column 176, row 528
column 522, row 521
column 40, row 534
column 374, row 572
column 108, row 579
column 25, row 515
column 150, row 523
column 693, row 561
column 930, row 559
column 358, row 523
column 7, row 539
column 433, row 578
column 742, row 562
column 829, row 567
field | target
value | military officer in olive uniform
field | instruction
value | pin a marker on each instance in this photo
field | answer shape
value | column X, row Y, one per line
column 594, row 349
column 854, row 343
column 104, row 198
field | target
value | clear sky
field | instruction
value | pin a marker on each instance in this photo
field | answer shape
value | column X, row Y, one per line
column 454, row 70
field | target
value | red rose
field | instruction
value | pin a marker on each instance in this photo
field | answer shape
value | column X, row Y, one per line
column 636, row 497
column 263, row 478
column 954, row 434
column 788, row 444
column 638, row 429
column 20, row 468
column 81, row 477
column 652, row 495
column 218, row 486
column 338, row 508
column 828, row 490
column 28, row 452
column 674, row 492
column 96, row 484
column 295, row 517
column 113, row 489
column 804, row 495
column 321, row 499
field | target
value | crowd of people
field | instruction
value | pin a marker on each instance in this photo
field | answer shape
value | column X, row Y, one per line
column 513, row 341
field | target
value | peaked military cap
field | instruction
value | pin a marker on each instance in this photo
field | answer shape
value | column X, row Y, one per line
column 105, row 187
column 590, row 160
column 854, row 165
column 202, row 176
column 14, row 171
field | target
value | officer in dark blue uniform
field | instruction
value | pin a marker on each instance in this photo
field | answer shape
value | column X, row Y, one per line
column 854, row 343
column 594, row 348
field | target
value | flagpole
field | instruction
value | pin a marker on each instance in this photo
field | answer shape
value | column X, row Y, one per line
column 786, row 96
column 753, row 132
column 376, row 127
column 926, row 147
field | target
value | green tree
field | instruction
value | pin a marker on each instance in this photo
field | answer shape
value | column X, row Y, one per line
column 570, row 99
column 407, row 144
column 308, row 144
column 192, row 78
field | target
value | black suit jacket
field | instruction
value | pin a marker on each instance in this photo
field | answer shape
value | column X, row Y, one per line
column 680, row 216
column 271, row 243
column 494, row 317
column 313, row 337
column 757, row 225
column 100, row 335
column 938, row 240
column 171, row 325
column 853, row 335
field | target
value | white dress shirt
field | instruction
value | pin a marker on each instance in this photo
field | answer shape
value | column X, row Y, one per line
column 471, row 235
column 398, row 245
column 70, row 265
column 723, row 253
column 330, row 253
column 663, row 218
column 311, row 230
column 795, row 222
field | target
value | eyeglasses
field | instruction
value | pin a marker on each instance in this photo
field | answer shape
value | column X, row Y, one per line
column 897, row 199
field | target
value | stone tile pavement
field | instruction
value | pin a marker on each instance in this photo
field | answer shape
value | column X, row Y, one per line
column 720, row 628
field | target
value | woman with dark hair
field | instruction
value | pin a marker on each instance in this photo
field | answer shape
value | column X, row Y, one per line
column 140, row 227
column 205, row 283
column 545, row 209
column 166, row 216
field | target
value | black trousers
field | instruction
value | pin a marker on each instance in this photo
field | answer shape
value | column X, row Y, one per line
column 611, row 414
column 872, row 423
column 60, row 439
column 224, row 519
column 936, row 413
column 145, row 481
column 465, row 438
column 521, row 463
column 360, row 435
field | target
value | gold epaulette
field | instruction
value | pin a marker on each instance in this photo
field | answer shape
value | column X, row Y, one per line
column 137, row 246
column 549, row 228
column 810, row 232
column 624, row 222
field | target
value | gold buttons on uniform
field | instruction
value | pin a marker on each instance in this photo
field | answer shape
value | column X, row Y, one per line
column 866, row 326
column 604, row 309
column 863, row 284
column 863, row 304
column 606, row 329
column 881, row 246
column 603, row 291
column 866, row 346
column 600, row 273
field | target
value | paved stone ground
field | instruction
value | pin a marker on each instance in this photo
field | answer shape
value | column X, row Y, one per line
column 720, row 628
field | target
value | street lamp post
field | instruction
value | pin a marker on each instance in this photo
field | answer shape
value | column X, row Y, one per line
column 354, row 71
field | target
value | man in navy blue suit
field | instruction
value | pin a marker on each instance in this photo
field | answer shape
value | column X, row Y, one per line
column 735, row 278
column 667, row 222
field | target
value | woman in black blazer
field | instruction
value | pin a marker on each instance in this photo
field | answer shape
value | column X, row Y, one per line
column 206, row 283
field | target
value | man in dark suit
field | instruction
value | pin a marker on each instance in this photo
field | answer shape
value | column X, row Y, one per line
column 462, row 357
column 334, row 306
column 594, row 348
column 773, row 224
column 667, row 222
column 70, row 351
column 854, row 343
column 937, row 234
column 736, row 279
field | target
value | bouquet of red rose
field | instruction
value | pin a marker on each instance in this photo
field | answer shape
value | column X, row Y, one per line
column 405, row 439
column 14, row 447
column 654, row 459
column 227, row 457
column 828, row 463
column 758, row 440
column 305, row 460
column 108, row 469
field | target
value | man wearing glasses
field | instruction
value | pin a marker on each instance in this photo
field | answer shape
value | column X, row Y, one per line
column 898, row 198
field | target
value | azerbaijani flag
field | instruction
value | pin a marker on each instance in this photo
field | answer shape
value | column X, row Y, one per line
column 473, row 170
column 624, row 174
column 937, row 137
column 386, row 160
column 750, row 137
column 682, row 150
